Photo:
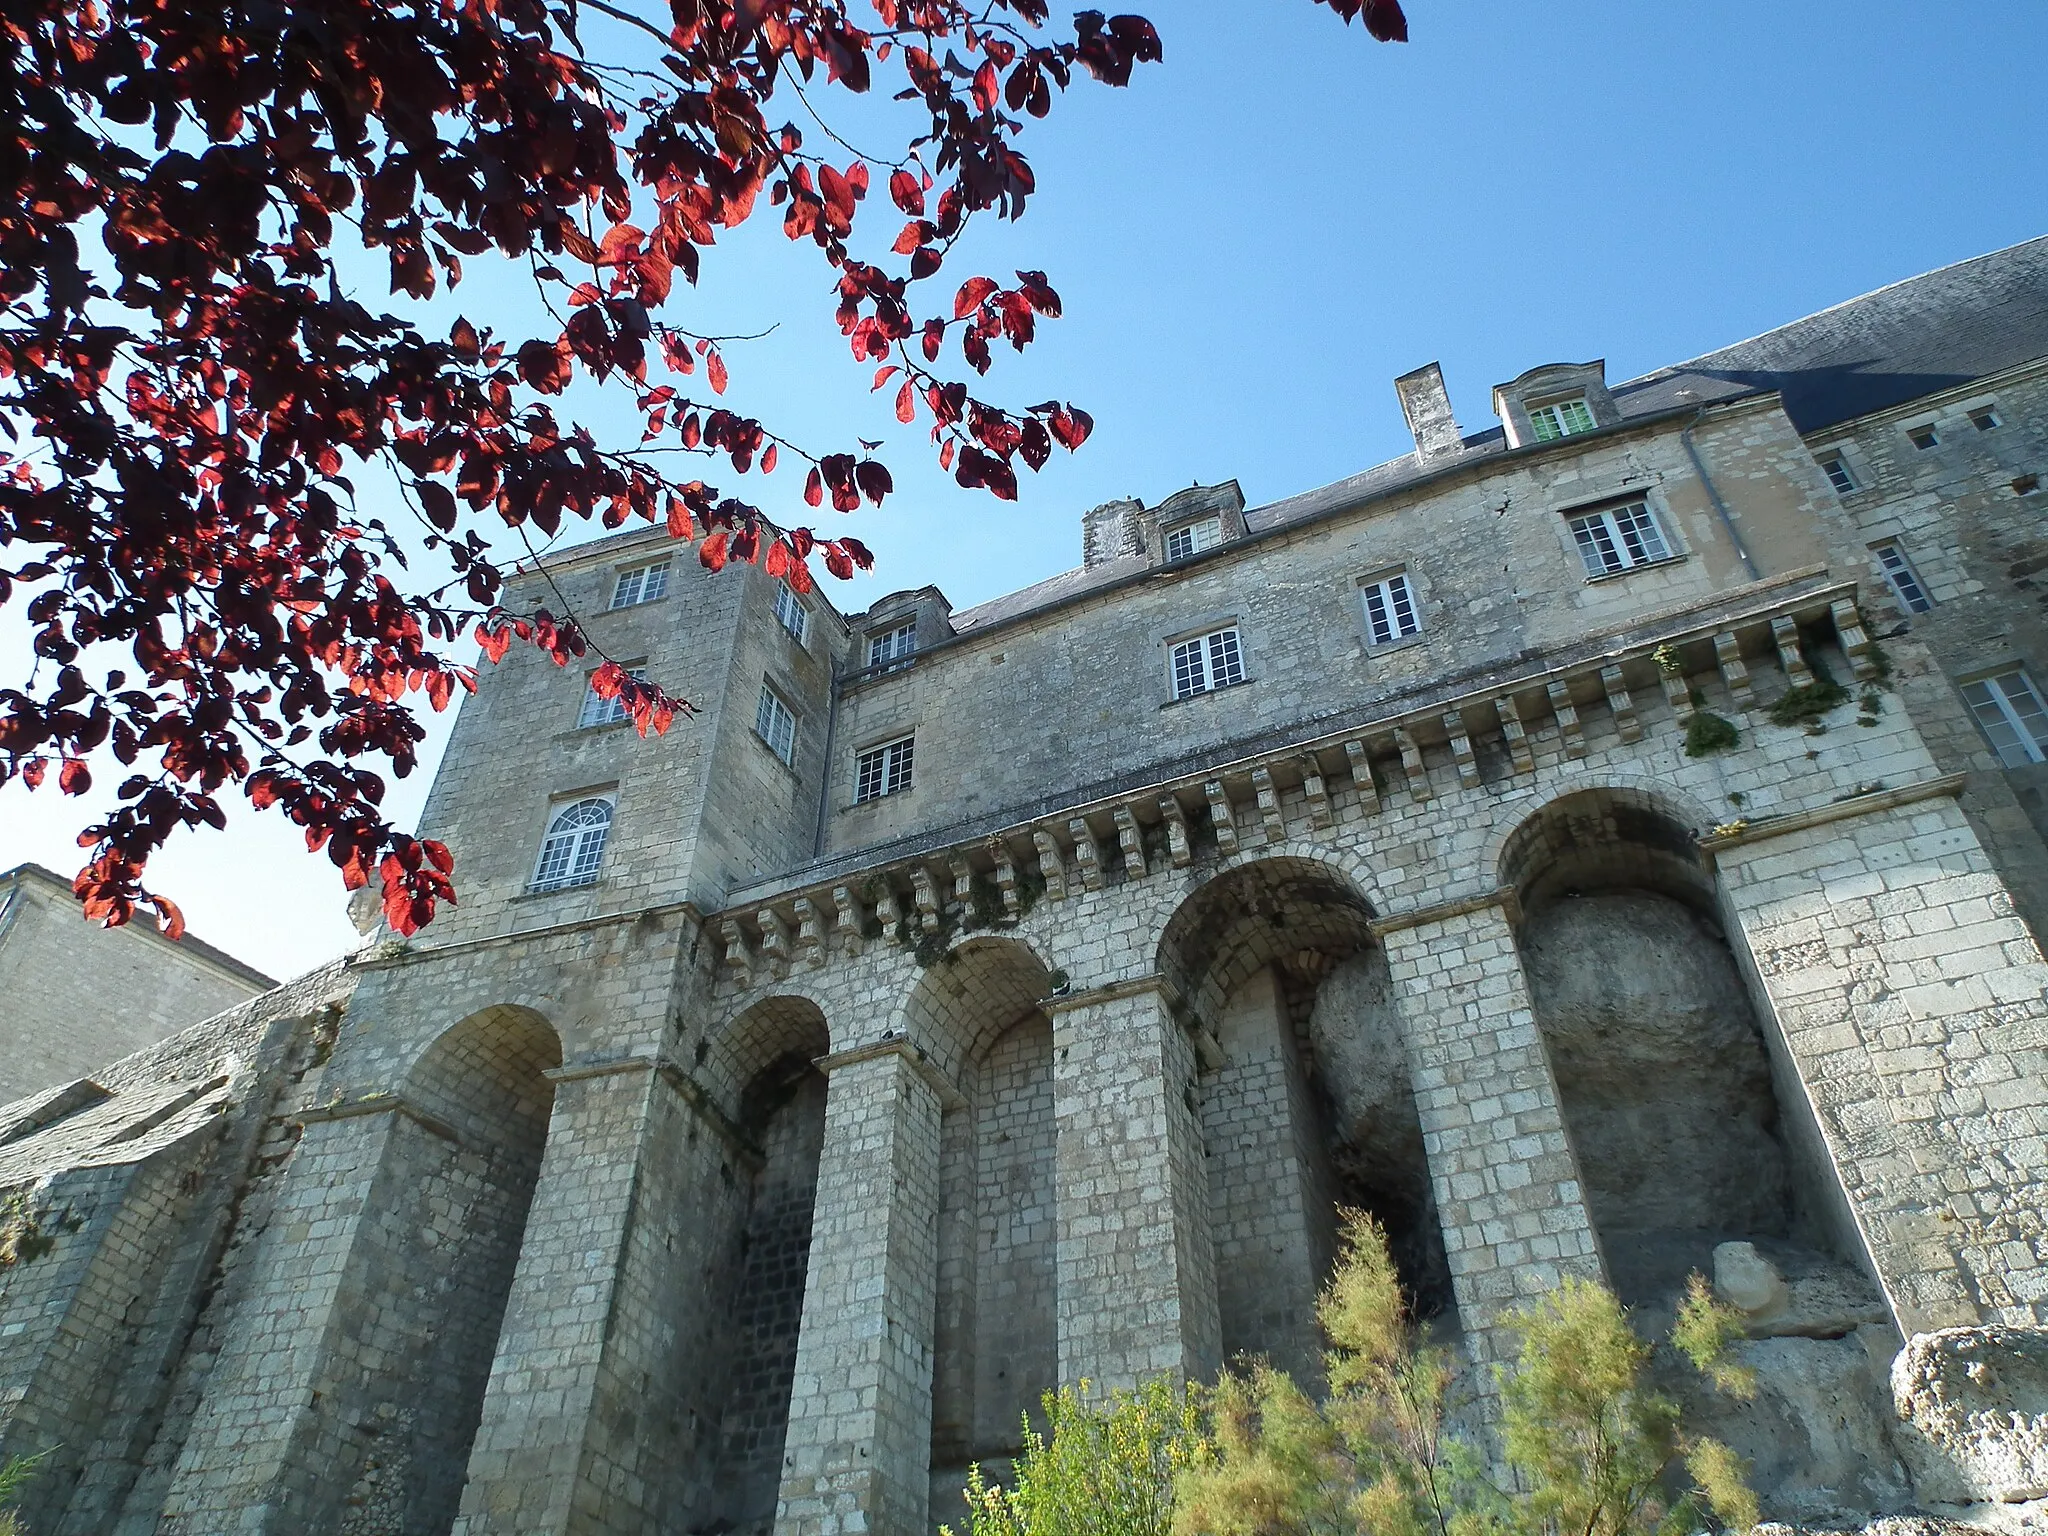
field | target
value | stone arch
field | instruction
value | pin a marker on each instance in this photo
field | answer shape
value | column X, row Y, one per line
column 977, row 1012
column 761, row 1065
column 424, row 1293
column 1311, row 1107
column 1663, row 1067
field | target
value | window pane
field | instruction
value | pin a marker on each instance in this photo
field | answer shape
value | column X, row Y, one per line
column 1575, row 416
column 1596, row 545
column 1905, row 581
column 1180, row 543
column 1225, row 665
column 1548, row 428
column 1377, row 619
column 1641, row 536
column 656, row 585
column 1189, row 675
column 899, row 767
column 2024, row 705
column 1838, row 473
column 1405, row 622
column 574, row 846
column 1206, row 535
column 627, row 592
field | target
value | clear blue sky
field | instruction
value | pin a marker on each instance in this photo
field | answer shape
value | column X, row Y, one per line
column 1265, row 229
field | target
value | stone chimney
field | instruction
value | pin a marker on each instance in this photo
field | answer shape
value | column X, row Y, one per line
column 1427, row 405
column 1111, row 531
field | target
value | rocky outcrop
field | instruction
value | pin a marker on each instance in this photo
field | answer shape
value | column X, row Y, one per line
column 1973, row 1414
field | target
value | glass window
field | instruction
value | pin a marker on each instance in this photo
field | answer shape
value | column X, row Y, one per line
column 1193, row 538
column 1898, row 570
column 1985, row 418
column 609, row 711
column 883, row 770
column 1206, row 663
column 574, row 846
column 775, row 723
column 790, row 609
column 1560, row 418
column 1619, row 538
column 1923, row 437
column 2009, row 709
column 642, row 584
column 1837, row 469
column 893, row 649
column 1390, row 609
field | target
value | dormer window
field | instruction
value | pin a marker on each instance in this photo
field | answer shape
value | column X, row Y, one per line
column 1561, row 418
column 891, row 649
column 1193, row 538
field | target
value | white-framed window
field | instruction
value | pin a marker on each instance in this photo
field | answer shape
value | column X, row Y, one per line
column 790, row 609
column 574, row 845
column 1923, row 436
column 609, row 711
column 1193, row 538
column 883, row 770
column 1560, row 418
column 775, row 723
column 1389, row 608
column 1985, row 418
column 1838, row 472
column 892, row 649
column 1619, row 538
column 2008, row 707
column 1898, row 570
column 641, row 584
column 1206, row 663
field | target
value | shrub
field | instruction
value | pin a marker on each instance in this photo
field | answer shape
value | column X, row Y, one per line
column 1708, row 732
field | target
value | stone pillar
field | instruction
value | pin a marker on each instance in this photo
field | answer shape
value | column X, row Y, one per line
column 1136, row 1265
column 1910, row 999
column 257, row 1450
column 532, row 1467
column 858, row 1451
column 1507, row 1183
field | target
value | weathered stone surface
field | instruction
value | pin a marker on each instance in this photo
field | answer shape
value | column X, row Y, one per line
column 1748, row 1280
column 1973, row 1413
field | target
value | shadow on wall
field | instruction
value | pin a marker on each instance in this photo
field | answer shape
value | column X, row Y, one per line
column 1311, row 1106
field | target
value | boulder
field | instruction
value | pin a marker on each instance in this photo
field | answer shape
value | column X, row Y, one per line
column 1973, row 1414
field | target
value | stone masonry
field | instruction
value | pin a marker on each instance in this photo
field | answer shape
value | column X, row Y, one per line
column 1575, row 843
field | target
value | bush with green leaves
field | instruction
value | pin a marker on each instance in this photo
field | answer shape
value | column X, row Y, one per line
column 1590, row 1447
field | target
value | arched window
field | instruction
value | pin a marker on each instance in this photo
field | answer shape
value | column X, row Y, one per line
column 574, row 846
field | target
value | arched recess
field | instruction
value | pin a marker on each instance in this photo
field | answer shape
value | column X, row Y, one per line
column 1671, row 1095
column 756, row 1259
column 420, row 1308
column 997, row 1337
column 1312, row 1106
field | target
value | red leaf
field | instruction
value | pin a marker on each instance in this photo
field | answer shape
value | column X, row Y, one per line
column 837, row 563
column 170, row 920
column 32, row 772
column 1384, row 20
column 906, row 401
column 714, row 369
column 985, row 85
column 908, row 195
column 711, row 553
column 971, row 293
column 679, row 526
column 778, row 562
column 73, row 778
column 768, row 460
column 814, row 487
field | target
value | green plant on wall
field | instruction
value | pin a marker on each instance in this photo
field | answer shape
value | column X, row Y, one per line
column 1806, row 703
column 1707, row 732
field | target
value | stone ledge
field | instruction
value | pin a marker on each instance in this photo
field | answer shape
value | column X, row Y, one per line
column 1948, row 784
column 380, row 1104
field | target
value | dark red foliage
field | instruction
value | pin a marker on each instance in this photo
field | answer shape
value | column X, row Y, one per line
column 184, row 406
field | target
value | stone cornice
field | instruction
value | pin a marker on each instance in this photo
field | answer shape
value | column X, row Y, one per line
column 390, row 954
column 379, row 1104
column 914, row 1057
column 1742, row 834
column 1505, row 898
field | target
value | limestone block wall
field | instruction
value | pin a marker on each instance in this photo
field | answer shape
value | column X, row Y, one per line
column 79, row 996
column 1489, row 554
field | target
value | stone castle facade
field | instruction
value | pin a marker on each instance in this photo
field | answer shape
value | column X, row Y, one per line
column 1608, row 845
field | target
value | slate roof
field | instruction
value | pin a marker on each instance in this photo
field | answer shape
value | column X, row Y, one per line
column 1913, row 338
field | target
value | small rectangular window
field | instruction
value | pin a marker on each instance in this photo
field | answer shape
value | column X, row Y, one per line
column 2008, row 707
column 892, row 650
column 883, row 770
column 790, row 609
column 1193, row 538
column 1390, row 609
column 1898, row 570
column 1985, row 418
column 1560, row 418
column 1838, row 473
column 1207, row 662
column 775, row 723
column 609, row 711
column 642, row 584
column 1619, row 539
column 1922, row 437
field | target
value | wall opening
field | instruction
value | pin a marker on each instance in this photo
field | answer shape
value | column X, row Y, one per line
column 997, row 1334
column 1663, row 1068
column 767, row 1060
column 432, row 1269
column 1311, row 1108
